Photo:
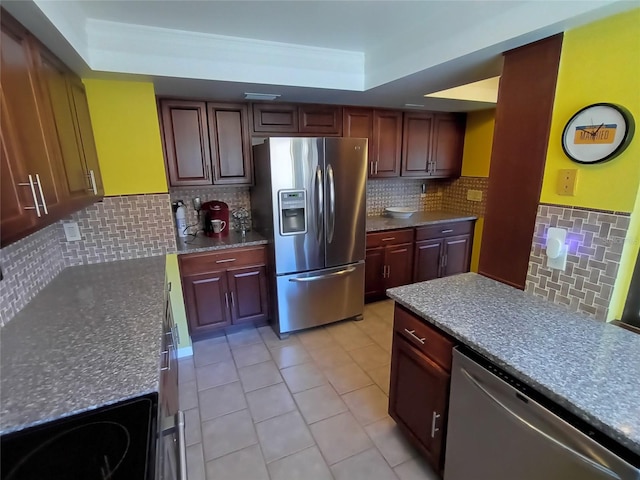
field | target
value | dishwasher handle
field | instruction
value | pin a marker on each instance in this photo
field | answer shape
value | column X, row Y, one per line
column 529, row 425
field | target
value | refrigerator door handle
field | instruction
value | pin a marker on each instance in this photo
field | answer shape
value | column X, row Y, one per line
column 319, row 207
column 332, row 204
column 324, row 277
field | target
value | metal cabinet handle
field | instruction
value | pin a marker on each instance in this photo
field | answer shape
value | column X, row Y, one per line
column 413, row 334
column 376, row 169
column 165, row 355
column 447, row 231
column 434, row 417
column 226, row 299
column 388, row 239
column 44, row 202
column 384, row 271
column 233, row 303
column 226, row 260
column 371, row 169
column 36, row 206
column 92, row 179
column 182, row 446
column 444, row 262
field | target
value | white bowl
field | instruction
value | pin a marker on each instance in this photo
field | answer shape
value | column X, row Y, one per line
column 399, row 212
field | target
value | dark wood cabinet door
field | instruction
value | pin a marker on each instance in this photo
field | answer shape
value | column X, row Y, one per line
column 16, row 201
column 427, row 261
column 399, row 261
column 417, row 138
column 169, row 377
column 373, row 273
column 522, row 130
column 278, row 118
column 387, row 138
column 30, row 119
column 320, row 119
column 230, row 143
column 186, row 140
column 52, row 79
column 85, row 132
column 206, row 301
column 448, row 144
column 248, row 290
column 457, row 251
column 358, row 123
column 418, row 399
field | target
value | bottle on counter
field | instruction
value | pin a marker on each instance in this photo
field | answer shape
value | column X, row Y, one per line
column 181, row 219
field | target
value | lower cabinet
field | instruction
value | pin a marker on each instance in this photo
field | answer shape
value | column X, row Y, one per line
column 169, row 361
column 388, row 262
column 442, row 250
column 224, row 288
column 420, row 382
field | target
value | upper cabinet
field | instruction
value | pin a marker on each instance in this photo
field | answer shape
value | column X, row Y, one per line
column 206, row 143
column 383, row 128
column 432, row 144
column 49, row 164
column 282, row 119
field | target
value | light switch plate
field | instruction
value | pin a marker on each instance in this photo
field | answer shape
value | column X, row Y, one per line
column 71, row 231
column 474, row 195
column 567, row 179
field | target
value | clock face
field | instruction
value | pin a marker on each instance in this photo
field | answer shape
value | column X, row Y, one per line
column 597, row 133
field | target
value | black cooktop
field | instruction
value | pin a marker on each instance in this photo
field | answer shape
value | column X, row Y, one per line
column 111, row 443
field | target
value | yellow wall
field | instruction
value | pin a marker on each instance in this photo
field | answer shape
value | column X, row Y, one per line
column 127, row 133
column 478, row 140
column 627, row 264
column 600, row 62
column 177, row 301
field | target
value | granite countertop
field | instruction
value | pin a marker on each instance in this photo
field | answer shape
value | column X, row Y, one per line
column 589, row 367
column 91, row 337
column 202, row 243
column 379, row 223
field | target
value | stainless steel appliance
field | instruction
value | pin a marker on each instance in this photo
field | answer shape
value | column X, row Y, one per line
column 501, row 430
column 310, row 202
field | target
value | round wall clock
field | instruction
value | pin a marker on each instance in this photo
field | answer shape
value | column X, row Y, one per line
column 598, row 133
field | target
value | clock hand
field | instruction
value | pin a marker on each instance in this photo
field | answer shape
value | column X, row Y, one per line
column 596, row 130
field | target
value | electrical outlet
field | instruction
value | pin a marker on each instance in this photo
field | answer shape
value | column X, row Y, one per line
column 474, row 195
column 71, row 231
column 567, row 179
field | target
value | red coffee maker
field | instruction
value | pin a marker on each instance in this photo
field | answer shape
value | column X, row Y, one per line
column 216, row 210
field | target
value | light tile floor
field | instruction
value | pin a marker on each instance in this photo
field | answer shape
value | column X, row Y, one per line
column 311, row 407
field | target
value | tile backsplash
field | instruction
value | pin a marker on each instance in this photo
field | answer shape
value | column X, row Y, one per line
column 119, row 228
column 235, row 197
column 116, row 228
column 454, row 198
column 393, row 192
column 595, row 241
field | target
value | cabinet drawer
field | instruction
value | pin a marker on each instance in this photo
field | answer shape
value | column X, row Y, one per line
column 443, row 230
column 424, row 337
column 389, row 237
column 196, row 263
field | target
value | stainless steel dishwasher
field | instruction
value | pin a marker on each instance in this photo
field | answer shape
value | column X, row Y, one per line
column 498, row 431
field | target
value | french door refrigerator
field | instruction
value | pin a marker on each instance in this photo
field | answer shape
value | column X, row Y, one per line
column 309, row 200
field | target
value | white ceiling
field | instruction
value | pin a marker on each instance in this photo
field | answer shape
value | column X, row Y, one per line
column 379, row 53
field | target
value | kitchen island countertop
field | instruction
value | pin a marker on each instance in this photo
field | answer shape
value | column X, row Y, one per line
column 202, row 243
column 92, row 337
column 418, row 219
column 589, row 367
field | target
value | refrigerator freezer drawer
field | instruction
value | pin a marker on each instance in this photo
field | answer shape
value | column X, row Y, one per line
column 319, row 297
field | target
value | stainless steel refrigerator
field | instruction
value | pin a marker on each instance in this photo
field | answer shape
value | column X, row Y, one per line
column 309, row 200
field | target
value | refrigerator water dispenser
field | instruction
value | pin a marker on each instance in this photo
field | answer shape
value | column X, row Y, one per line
column 293, row 212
